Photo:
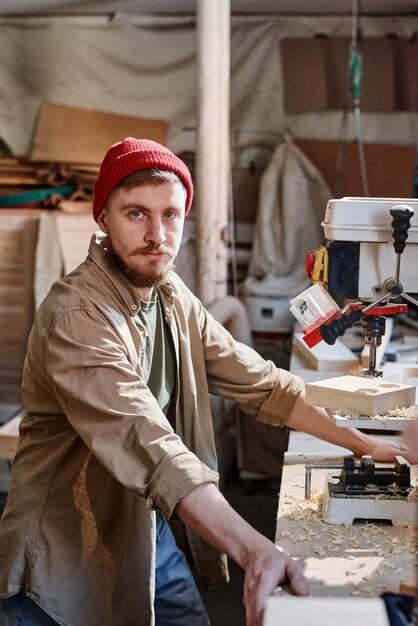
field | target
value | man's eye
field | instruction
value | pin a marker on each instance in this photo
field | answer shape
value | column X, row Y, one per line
column 136, row 213
column 170, row 215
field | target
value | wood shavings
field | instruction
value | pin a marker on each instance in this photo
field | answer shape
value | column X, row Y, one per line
column 320, row 551
column 408, row 413
column 368, row 593
column 361, row 559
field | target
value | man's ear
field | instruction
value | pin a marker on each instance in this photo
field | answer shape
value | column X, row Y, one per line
column 102, row 221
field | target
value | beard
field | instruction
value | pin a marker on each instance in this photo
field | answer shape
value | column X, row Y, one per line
column 143, row 278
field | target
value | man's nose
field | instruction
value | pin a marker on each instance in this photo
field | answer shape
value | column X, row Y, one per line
column 155, row 231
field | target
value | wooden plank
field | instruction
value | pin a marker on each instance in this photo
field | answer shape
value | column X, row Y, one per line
column 66, row 133
column 20, row 180
column 364, row 396
column 294, row 611
column 336, row 358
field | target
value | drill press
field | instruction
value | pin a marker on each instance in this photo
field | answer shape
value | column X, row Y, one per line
column 366, row 259
column 360, row 266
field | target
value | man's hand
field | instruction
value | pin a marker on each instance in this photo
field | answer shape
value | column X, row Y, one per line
column 384, row 452
column 263, row 573
column 206, row 511
column 316, row 421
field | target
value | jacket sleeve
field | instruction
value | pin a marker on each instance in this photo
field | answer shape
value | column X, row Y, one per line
column 108, row 404
column 238, row 372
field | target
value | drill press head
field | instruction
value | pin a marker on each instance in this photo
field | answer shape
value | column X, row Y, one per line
column 360, row 268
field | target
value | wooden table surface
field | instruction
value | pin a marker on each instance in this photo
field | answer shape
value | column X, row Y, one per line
column 360, row 560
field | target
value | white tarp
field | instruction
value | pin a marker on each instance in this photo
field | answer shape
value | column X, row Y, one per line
column 293, row 195
column 147, row 67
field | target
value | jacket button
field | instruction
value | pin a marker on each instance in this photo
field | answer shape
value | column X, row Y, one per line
column 134, row 307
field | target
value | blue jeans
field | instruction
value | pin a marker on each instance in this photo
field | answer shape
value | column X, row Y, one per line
column 22, row 611
column 177, row 601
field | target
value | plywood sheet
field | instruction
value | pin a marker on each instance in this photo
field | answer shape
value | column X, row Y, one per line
column 68, row 134
column 364, row 396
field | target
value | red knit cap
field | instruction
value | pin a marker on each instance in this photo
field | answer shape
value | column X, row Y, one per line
column 130, row 155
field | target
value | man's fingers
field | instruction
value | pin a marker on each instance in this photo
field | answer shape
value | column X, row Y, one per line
column 297, row 581
column 257, row 593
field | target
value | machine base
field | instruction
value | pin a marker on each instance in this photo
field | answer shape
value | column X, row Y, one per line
column 345, row 509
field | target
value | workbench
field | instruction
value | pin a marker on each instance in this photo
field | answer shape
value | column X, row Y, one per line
column 359, row 560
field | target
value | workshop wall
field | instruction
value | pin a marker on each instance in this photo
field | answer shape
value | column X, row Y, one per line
column 146, row 67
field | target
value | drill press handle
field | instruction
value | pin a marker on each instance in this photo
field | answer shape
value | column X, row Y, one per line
column 331, row 331
column 401, row 223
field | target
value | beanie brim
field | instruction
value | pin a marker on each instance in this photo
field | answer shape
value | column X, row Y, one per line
column 133, row 155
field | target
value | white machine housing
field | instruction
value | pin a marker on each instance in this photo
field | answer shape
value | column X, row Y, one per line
column 368, row 221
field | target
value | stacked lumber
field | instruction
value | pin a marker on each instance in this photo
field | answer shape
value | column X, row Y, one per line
column 68, row 146
column 38, row 245
column 18, row 234
column 25, row 182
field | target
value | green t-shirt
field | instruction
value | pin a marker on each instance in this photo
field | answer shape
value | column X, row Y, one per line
column 159, row 364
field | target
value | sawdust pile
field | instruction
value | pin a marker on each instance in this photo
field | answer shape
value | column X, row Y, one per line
column 396, row 547
column 408, row 413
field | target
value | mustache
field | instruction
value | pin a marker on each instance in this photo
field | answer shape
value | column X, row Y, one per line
column 152, row 247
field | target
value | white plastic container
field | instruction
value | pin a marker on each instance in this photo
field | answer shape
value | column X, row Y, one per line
column 313, row 307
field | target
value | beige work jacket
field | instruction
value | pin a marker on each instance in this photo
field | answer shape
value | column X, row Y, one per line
column 97, row 456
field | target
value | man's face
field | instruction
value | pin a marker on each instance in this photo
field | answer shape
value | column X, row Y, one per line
column 144, row 226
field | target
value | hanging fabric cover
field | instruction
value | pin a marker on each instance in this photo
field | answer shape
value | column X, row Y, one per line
column 292, row 201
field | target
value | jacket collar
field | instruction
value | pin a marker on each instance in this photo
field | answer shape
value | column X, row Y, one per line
column 127, row 292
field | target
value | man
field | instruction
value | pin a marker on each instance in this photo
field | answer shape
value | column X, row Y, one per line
column 118, row 437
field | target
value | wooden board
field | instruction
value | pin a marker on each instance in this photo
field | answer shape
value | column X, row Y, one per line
column 336, row 358
column 294, row 611
column 364, row 396
column 66, row 133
